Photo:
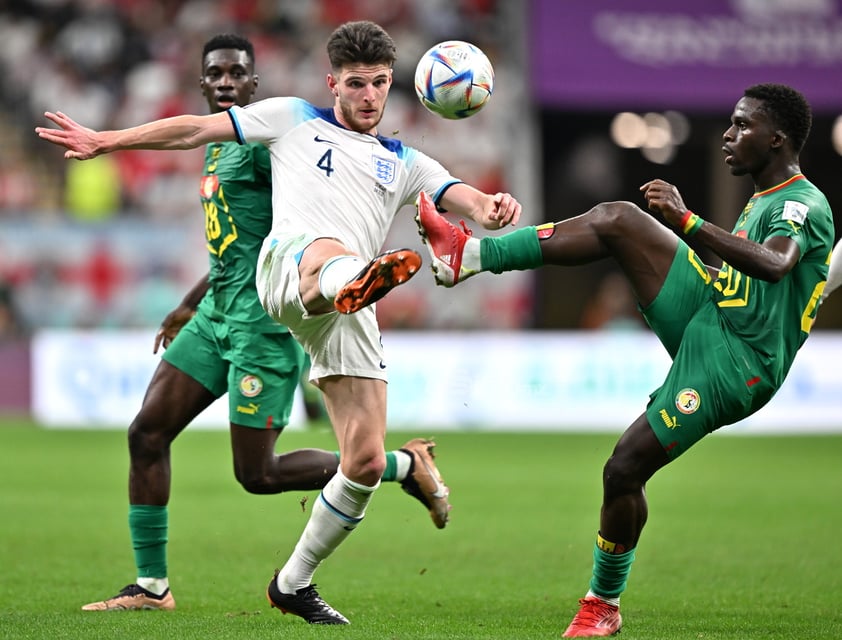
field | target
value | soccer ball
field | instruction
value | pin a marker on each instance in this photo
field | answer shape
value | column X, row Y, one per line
column 454, row 79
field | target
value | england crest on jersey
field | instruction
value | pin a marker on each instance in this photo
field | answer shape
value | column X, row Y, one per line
column 384, row 169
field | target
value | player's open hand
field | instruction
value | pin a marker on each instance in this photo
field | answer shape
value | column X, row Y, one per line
column 81, row 143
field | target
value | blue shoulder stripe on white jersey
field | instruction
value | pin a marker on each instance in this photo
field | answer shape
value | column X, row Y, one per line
column 438, row 194
column 305, row 111
column 326, row 114
column 394, row 145
column 237, row 131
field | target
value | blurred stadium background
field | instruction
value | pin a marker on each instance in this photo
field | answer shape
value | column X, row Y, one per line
column 591, row 100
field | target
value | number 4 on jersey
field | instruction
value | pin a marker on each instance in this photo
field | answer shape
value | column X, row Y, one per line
column 325, row 162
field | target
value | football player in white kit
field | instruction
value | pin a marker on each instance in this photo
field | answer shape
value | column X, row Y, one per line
column 337, row 186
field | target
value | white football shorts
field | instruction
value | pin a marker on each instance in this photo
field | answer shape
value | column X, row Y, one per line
column 338, row 344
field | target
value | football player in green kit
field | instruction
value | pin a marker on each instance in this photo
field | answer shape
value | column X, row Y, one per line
column 220, row 340
column 732, row 331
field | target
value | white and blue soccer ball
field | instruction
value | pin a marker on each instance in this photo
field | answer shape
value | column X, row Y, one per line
column 454, row 79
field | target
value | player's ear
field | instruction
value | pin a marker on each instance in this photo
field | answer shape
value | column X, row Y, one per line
column 779, row 139
column 255, row 80
column 331, row 84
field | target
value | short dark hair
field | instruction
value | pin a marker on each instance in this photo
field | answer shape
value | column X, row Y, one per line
column 360, row 42
column 229, row 41
column 787, row 108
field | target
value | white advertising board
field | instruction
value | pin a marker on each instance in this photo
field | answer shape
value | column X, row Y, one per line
column 97, row 379
column 540, row 381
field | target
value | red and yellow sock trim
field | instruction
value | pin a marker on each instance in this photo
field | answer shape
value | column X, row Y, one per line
column 608, row 546
column 544, row 231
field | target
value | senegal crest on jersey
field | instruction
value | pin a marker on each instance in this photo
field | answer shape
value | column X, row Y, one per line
column 384, row 169
column 250, row 385
column 687, row 400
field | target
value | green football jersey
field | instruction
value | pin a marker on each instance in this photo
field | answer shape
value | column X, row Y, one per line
column 774, row 318
column 236, row 194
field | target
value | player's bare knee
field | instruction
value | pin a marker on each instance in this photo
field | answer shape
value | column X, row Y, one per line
column 619, row 216
column 257, row 483
column 366, row 471
column 620, row 476
column 145, row 442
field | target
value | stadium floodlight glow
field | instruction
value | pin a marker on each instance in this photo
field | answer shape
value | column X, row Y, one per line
column 836, row 135
column 658, row 131
column 628, row 130
column 657, row 135
column 659, row 155
column 679, row 125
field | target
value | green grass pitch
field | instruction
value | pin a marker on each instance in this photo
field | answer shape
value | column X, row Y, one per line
column 743, row 542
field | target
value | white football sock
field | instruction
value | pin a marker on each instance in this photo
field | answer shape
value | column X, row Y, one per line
column 471, row 256
column 338, row 510
column 336, row 272
column 154, row 585
column 403, row 461
column 614, row 601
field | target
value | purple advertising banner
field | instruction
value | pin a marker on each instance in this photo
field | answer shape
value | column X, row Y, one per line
column 696, row 55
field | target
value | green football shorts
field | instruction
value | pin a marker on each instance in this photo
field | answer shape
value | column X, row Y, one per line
column 715, row 379
column 259, row 371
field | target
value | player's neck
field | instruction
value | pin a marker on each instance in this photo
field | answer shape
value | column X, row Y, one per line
column 774, row 176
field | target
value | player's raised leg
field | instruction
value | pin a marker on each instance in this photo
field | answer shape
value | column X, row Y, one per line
column 642, row 246
column 445, row 243
column 456, row 256
column 385, row 272
column 333, row 278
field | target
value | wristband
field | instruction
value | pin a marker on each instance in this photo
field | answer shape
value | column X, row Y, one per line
column 690, row 223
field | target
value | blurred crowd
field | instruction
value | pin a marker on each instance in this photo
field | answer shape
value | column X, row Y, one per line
column 117, row 63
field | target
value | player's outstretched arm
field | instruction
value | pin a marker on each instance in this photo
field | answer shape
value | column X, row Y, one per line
column 769, row 261
column 179, row 132
column 491, row 211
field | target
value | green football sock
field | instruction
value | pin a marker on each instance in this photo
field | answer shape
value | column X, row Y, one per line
column 515, row 251
column 610, row 572
column 391, row 472
column 148, row 527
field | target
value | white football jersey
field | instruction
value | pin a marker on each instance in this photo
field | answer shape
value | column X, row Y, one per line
column 329, row 181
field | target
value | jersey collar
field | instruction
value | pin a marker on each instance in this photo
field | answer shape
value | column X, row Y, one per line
column 785, row 183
